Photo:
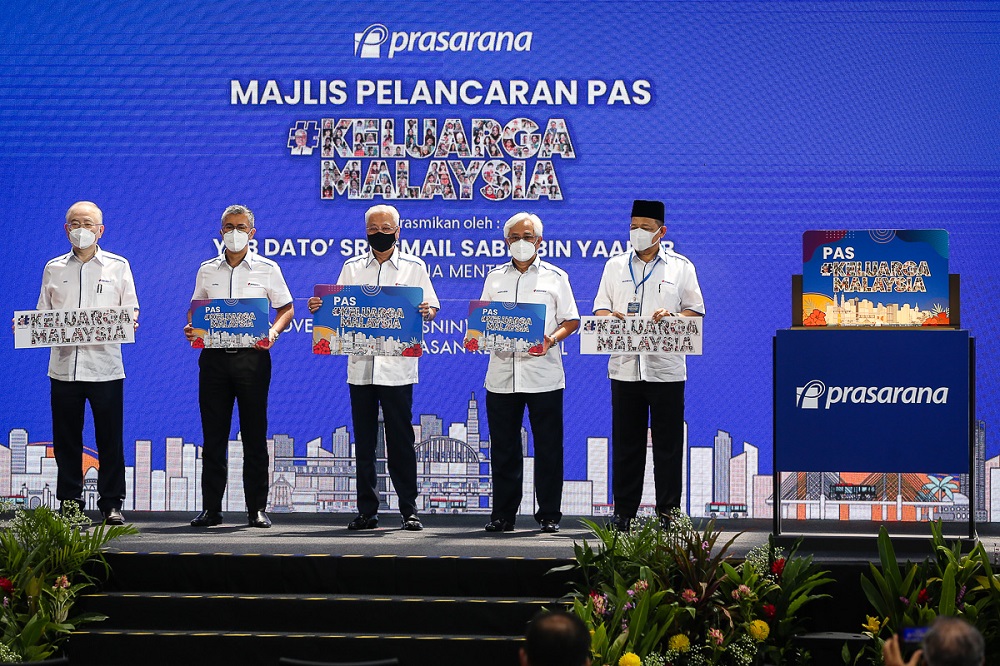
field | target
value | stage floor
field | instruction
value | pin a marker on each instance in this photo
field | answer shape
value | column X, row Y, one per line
column 464, row 536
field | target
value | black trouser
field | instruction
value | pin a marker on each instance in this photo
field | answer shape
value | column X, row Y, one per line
column 243, row 376
column 636, row 406
column 106, row 405
column 397, row 404
column 505, row 412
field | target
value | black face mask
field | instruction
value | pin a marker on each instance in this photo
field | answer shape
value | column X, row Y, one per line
column 381, row 242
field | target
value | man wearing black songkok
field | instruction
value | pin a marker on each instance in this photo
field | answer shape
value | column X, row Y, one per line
column 647, row 391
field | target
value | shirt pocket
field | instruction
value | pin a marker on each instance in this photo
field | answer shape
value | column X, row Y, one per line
column 668, row 296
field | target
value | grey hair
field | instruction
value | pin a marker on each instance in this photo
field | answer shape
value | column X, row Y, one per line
column 952, row 641
column 237, row 209
column 100, row 213
column 383, row 208
column 517, row 218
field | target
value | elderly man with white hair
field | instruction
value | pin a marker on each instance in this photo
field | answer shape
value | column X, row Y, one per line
column 515, row 380
column 385, row 381
column 88, row 277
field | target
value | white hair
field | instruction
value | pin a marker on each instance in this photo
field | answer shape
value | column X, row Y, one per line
column 517, row 218
column 383, row 208
column 238, row 209
column 99, row 216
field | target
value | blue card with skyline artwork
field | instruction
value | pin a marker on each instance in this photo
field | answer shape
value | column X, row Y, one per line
column 873, row 278
column 368, row 320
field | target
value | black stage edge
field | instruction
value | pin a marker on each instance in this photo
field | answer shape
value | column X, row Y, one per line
column 309, row 588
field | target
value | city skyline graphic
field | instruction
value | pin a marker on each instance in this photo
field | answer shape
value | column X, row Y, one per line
column 454, row 476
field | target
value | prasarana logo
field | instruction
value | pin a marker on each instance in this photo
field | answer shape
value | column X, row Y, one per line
column 368, row 43
column 808, row 396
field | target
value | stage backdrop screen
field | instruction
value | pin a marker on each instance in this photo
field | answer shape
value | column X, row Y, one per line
column 753, row 122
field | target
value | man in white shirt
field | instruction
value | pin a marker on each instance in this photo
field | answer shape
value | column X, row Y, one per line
column 240, row 375
column 647, row 391
column 88, row 277
column 535, row 379
column 385, row 381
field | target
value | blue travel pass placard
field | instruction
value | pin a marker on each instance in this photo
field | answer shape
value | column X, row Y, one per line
column 368, row 320
column 873, row 277
column 226, row 323
column 505, row 327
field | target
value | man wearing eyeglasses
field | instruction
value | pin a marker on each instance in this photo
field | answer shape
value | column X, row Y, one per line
column 242, row 376
column 534, row 380
column 88, row 277
column 385, row 381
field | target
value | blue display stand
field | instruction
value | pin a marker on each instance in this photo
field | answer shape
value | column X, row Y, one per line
column 866, row 400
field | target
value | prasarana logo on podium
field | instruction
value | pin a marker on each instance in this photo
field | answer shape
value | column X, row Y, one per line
column 641, row 335
column 875, row 278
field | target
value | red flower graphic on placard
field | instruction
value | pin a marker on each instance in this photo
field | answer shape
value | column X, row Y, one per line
column 472, row 344
column 322, row 347
column 414, row 350
column 198, row 343
column 815, row 318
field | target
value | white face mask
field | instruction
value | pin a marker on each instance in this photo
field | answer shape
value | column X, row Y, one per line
column 82, row 238
column 522, row 250
column 642, row 239
column 235, row 240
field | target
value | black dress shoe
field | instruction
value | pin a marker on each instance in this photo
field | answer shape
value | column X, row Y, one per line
column 207, row 518
column 549, row 526
column 500, row 525
column 363, row 522
column 621, row 523
column 412, row 523
column 258, row 519
column 113, row 516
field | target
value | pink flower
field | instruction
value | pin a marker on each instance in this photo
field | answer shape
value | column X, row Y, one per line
column 715, row 636
column 741, row 592
column 61, row 582
column 689, row 596
column 640, row 586
column 600, row 603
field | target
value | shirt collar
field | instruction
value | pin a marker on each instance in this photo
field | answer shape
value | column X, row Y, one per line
column 533, row 265
column 98, row 256
column 393, row 258
column 248, row 259
column 661, row 255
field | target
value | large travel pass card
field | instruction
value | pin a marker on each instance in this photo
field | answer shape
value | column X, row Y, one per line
column 368, row 320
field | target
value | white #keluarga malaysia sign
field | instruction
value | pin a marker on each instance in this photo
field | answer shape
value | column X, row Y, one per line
column 641, row 335
column 69, row 328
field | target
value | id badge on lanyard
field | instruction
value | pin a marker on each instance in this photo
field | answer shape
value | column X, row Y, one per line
column 634, row 305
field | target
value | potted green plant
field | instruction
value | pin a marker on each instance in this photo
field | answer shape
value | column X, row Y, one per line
column 46, row 560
